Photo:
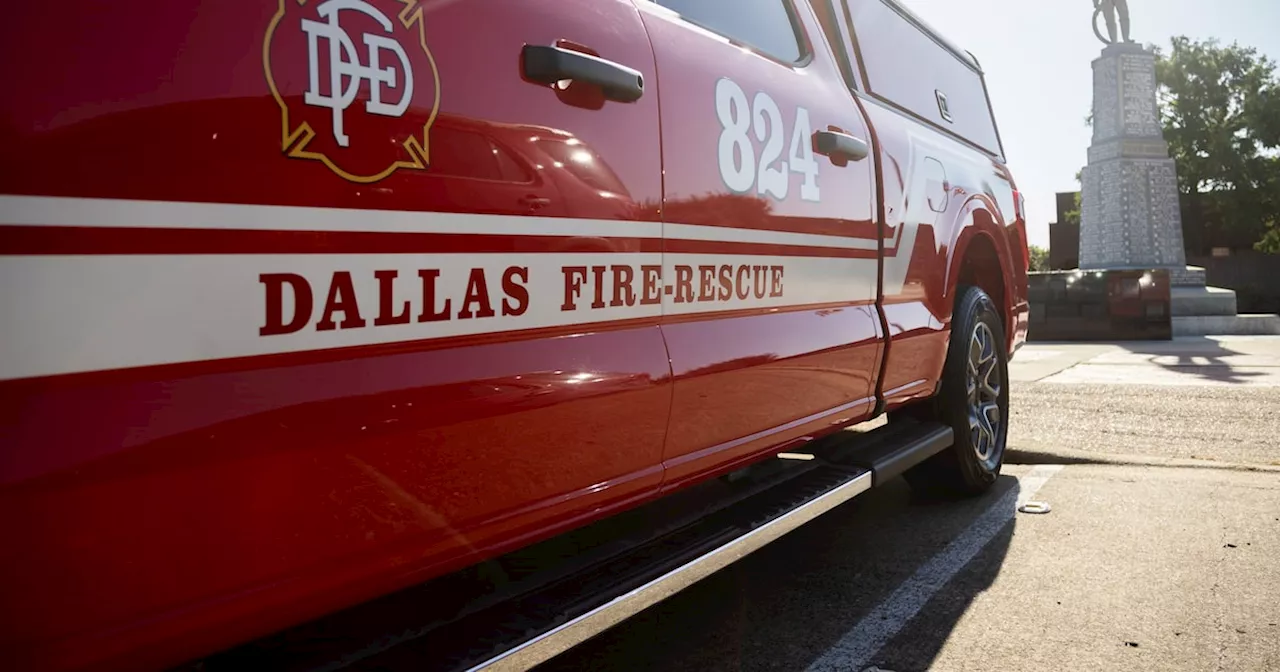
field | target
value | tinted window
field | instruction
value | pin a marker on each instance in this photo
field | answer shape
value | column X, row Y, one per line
column 511, row 170
column 463, row 153
column 763, row 24
column 907, row 66
column 582, row 163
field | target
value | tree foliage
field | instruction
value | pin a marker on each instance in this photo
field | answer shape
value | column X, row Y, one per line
column 1072, row 216
column 1039, row 258
column 1220, row 106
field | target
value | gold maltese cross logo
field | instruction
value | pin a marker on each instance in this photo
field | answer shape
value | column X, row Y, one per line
column 355, row 82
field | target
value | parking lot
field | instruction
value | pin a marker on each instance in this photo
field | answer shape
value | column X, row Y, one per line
column 1161, row 464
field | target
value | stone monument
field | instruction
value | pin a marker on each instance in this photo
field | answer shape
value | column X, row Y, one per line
column 1129, row 212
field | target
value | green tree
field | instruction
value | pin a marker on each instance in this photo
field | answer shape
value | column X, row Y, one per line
column 1072, row 216
column 1271, row 239
column 1039, row 258
column 1220, row 107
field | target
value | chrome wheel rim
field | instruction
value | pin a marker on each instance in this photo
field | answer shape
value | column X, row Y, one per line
column 984, row 383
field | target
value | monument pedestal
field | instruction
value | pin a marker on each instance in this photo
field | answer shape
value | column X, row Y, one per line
column 1201, row 300
column 1129, row 211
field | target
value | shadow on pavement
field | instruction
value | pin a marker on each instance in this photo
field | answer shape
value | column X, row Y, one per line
column 1198, row 356
column 1032, row 457
column 784, row 606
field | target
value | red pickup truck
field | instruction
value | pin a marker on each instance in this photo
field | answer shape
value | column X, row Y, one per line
column 307, row 301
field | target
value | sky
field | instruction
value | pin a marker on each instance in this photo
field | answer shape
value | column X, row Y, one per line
column 1036, row 55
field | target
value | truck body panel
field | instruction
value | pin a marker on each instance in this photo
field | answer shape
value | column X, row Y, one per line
column 306, row 302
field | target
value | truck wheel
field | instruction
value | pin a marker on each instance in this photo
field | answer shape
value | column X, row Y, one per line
column 974, row 400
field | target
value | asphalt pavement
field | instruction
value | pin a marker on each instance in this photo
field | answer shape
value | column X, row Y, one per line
column 1161, row 466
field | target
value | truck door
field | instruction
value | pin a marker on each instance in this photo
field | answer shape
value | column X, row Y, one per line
column 302, row 290
column 943, row 178
column 770, row 251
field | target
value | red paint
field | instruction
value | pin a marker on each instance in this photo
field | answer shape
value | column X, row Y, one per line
column 723, row 247
column 158, row 513
column 741, row 382
column 56, row 240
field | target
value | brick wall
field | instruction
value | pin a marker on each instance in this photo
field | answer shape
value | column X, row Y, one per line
column 1253, row 275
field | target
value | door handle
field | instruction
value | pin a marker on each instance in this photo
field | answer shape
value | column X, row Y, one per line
column 534, row 202
column 548, row 65
column 840, row 145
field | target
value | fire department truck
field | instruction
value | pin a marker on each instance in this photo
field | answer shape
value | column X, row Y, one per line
column 315, row 309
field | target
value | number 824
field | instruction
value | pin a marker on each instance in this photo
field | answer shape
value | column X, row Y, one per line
column 739, row 168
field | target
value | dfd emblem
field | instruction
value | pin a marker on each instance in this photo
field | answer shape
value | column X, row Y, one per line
column 356, row 85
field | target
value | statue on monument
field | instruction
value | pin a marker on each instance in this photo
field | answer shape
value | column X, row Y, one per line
column 1108, row 9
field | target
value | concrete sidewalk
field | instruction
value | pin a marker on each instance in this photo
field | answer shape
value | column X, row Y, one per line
column 1207, row 360
column 1214, row 398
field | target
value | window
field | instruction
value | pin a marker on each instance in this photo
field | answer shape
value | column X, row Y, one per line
column 582, row 163
column 826, row 10
column 766, row 25
column 464, row 153
column 905, row 65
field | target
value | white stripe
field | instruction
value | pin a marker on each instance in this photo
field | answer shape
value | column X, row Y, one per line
column 107, row 212
column 805, row 280
column 719, row 233
column 882, row 624
column 70, row 314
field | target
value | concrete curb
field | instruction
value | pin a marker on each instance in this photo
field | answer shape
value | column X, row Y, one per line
column 1260, row 324
column 1067, row 456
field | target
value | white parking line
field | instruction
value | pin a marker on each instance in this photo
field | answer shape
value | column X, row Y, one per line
column 858, row 645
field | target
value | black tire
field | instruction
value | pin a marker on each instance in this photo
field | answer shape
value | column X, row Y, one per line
column 976, row 355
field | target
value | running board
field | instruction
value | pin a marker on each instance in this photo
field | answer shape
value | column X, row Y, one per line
column 522, row 609
column 892, row 449
column 590, row 624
